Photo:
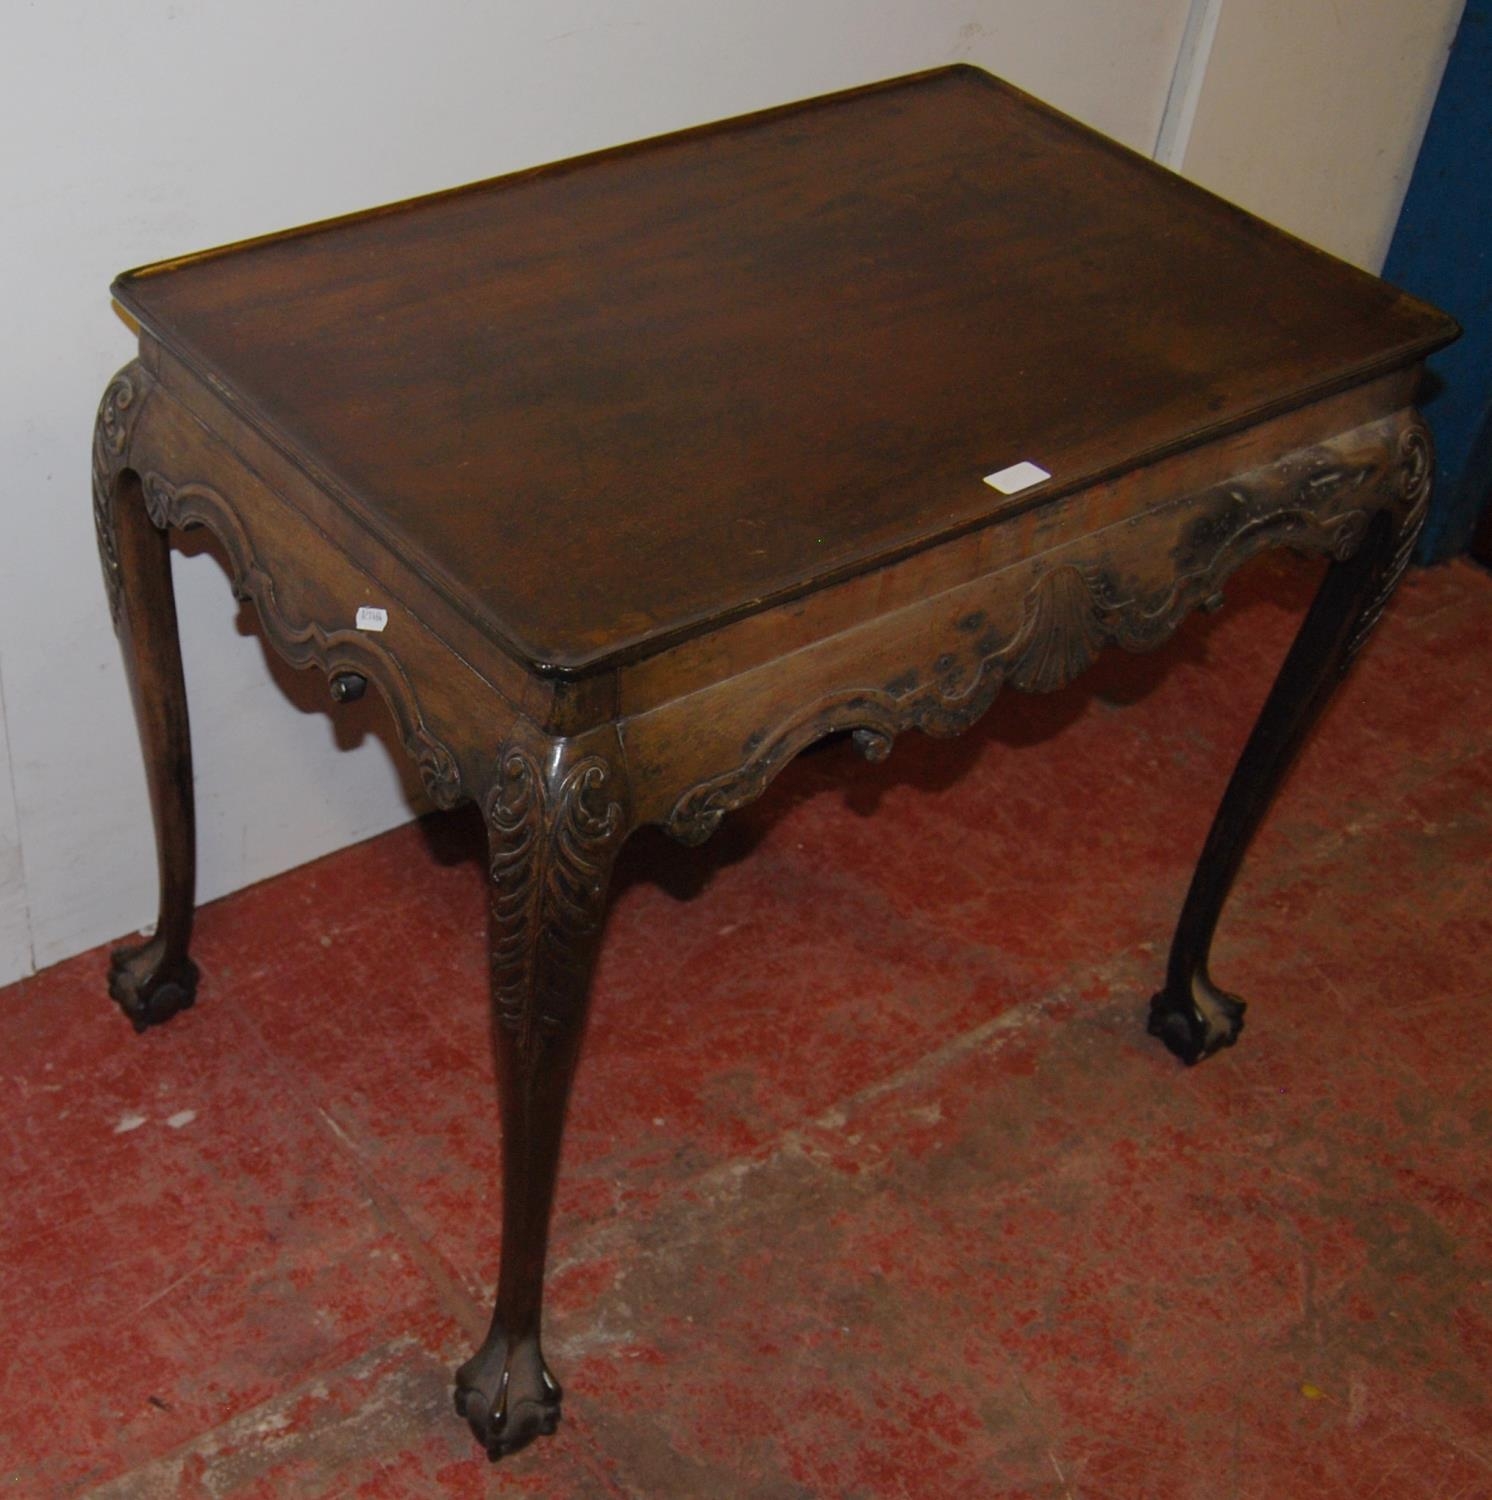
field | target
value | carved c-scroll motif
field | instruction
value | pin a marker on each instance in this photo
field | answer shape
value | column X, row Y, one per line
column 1316, row 501
column 307, row 644
column 117, row 410
column 552, row 843
column 1416, row 469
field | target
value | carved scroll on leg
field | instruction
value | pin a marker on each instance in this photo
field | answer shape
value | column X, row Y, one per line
column 117, row 410
column 1192, row 1015
column 152, row 980
column 556, row 819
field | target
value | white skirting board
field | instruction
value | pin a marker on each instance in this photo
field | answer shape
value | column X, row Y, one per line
column 15, row 922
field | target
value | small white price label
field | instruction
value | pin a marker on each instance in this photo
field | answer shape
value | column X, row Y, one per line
column 1016, row 478
column 369, row 617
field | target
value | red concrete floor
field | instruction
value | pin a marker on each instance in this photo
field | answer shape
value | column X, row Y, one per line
column 874, row 1185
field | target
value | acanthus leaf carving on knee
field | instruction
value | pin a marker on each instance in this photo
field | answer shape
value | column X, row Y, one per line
column 1413, row 478
column 118, row 410
column 557, row 813
column 555, row 823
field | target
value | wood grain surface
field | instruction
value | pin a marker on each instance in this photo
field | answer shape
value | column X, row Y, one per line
column 614, row 402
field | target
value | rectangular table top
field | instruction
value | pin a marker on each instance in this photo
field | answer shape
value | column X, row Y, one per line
column 609, row 403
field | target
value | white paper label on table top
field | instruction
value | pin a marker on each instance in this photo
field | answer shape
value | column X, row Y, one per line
column 1017, row 477
column 371, row 618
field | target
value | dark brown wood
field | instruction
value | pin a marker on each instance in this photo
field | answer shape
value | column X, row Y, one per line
column 155, row 979
column 1191, row 1014
column 660, row 465
column 556, row 818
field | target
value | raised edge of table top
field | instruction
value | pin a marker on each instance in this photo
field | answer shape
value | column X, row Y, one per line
column 609, row 403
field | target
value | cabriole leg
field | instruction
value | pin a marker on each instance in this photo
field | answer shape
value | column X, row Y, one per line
column 555, row 823
column 152, row 980
column 1191, row 1015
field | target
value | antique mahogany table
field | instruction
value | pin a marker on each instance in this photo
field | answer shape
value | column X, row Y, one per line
column 625, row 479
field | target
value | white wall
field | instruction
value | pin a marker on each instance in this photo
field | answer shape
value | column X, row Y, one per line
column 133, row 132
column 1311, row 115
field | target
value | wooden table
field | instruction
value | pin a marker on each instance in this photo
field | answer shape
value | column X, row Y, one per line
column 623, row 480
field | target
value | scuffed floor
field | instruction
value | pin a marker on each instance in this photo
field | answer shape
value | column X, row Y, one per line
column 874, row 1184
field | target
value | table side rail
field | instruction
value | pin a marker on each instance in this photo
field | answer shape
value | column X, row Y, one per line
column 561, row 705
column 307, row 592
column 1034, row 623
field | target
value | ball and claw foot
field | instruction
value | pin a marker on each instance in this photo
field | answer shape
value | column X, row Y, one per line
column 1198, row 1023
column 145, row 993
column 508, row 1397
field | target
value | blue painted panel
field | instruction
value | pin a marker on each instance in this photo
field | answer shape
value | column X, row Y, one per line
column 1442, row 251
